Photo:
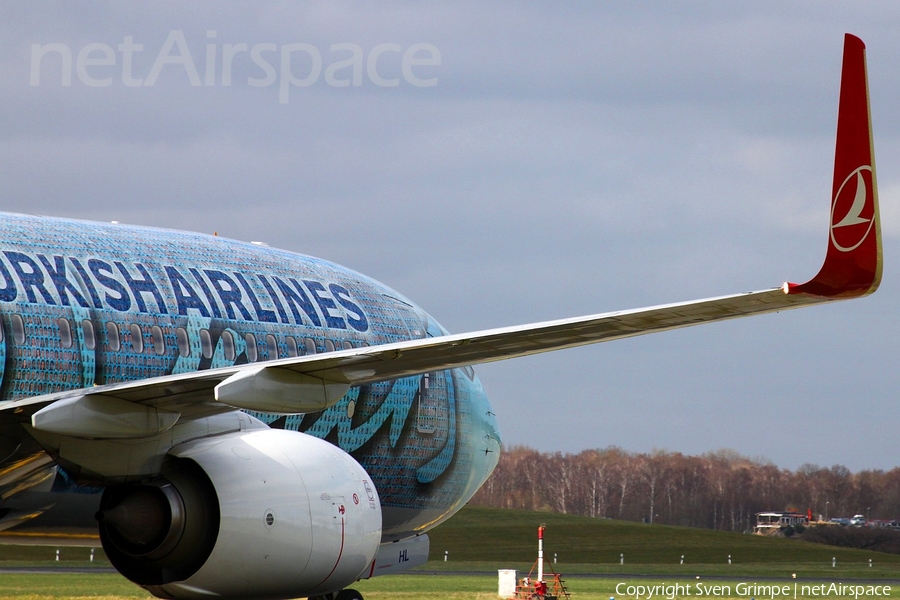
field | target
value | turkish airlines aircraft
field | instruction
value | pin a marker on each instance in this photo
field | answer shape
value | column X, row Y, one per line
column 257, row 423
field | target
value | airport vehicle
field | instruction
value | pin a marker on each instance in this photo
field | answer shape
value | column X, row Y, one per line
column 775, row 523
column 271, row 425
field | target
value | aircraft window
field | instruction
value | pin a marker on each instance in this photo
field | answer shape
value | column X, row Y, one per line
column 271, row 347
column 310, row 346
column 347, row 345
column 18, row 327
column 228, row 345
column 292, row 346
column 1, row 334
column 364, row 344
column 90, row 340
column 329, row 346
column 184, row 343
column 112, row 335
column 206, row 343
column 159, row 342
column 252, row 351
column 65, row 333
column 469, row 371
column 137, row 338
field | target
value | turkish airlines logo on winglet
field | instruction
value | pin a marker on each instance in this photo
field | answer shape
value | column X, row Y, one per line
column 853, row 210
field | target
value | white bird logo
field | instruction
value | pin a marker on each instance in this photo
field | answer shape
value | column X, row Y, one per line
column 853, row 216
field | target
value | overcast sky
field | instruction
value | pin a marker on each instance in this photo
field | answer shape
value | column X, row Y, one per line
column 504, row 163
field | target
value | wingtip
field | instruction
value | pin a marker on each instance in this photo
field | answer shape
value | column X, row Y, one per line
column 852, row 40
column 853, row 262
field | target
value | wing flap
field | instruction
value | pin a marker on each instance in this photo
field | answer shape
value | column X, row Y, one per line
column 193, row 394
column 434, row 354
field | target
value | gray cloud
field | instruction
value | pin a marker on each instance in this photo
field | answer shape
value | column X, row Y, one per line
column 588, row 157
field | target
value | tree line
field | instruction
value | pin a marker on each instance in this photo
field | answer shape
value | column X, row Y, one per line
column 718, row 490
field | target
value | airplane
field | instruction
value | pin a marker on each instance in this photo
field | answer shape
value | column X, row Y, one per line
column 235, row 420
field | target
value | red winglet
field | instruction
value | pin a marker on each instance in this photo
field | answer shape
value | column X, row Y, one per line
column 853, row 263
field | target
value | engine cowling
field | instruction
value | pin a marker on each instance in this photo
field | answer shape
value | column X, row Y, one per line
column 262, row 514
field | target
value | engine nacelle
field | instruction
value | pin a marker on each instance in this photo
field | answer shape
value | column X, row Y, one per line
column 262, row 514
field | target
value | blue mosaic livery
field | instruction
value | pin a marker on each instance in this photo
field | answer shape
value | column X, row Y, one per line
column 88, row 304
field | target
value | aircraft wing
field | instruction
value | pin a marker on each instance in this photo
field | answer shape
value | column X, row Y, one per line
column 852, row 269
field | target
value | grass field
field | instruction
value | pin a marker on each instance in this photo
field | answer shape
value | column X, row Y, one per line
column 414, row 587
column 482, row 540
column 51, row 585
column 483, row 587
column 492, row 535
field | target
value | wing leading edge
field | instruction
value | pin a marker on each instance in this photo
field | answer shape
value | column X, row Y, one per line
column 852, row 268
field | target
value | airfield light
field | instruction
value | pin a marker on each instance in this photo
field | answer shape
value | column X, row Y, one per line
column 538, row 587
column 540, row 577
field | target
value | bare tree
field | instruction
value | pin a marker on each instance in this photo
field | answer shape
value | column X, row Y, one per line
column 721, row 490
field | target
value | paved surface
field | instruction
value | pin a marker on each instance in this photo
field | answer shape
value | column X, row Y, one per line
column 621, row 576
column 570, row 575
column 57, row 570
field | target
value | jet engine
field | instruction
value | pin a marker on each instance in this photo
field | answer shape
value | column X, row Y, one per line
column 263, row 514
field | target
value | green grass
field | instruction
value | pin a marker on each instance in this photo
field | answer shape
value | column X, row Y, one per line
column 406, row 587
column 35, row 555
column 486, row 539
column 395, row 587
column 757, row 570
column 107, row 586
column 492, row 535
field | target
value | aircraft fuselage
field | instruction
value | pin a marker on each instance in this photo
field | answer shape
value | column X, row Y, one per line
column 86, row 304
